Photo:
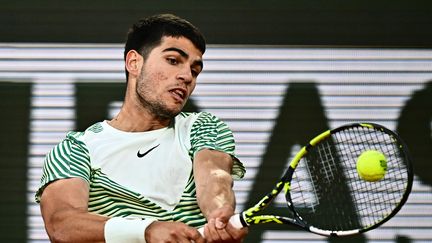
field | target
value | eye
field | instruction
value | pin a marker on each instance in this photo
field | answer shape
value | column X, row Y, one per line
column 194, row 73
column 172, row 60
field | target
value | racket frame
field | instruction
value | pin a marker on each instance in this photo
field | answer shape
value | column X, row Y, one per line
column 250, row 217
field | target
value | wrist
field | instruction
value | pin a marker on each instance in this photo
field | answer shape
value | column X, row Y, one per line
column 221, row 213
column 118, row 230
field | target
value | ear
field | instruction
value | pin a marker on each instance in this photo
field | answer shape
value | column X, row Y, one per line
column 133, row 62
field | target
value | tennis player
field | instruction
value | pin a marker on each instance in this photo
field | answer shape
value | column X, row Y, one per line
column 152, row 173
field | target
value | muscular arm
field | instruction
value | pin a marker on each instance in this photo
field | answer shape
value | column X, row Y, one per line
column 64, row 210
column 212, row 172
column 64, row 206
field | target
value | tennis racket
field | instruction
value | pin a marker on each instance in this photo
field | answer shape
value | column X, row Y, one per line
column 323, row 191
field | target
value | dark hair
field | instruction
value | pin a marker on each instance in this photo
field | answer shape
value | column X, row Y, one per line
column 147, row 33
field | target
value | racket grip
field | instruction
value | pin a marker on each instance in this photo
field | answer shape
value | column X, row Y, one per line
column 234, row 221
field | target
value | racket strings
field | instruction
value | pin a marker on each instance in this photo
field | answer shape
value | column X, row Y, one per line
column 374, row 201
column 328, row 192
column 303, row 191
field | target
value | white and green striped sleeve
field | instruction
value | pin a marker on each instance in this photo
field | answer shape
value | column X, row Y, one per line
column 210, row 132
column 69, row 159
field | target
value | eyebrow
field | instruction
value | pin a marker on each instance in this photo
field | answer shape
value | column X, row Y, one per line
column 185, row 55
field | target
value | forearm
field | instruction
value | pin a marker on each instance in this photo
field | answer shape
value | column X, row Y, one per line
column 213, row 179
column 65, row 213
column 215, row 196
column 216, row 192
column 72, row 225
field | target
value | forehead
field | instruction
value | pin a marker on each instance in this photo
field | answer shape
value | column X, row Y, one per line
column 180, row 43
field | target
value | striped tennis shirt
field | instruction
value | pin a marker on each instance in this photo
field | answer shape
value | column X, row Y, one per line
column 141, row 174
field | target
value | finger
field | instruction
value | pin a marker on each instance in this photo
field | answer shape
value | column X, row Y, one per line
column 195, row 236
column 199, row 240
column 207, row 234
column 225, row 236
column 182, row 240
column 220, row 223
column 185, row 236
column 210, row 232
column 236, row 233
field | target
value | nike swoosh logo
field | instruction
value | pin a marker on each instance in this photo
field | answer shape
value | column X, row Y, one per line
column 146, row 152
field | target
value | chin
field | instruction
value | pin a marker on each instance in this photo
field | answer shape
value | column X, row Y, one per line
column 169, row 113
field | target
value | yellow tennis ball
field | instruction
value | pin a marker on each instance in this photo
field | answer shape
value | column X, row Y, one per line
column 371, row 165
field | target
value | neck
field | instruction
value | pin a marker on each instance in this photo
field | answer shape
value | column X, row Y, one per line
column 135, row 118
column 126, row 123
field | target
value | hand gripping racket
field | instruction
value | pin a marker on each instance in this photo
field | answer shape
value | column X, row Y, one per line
column 323, row 191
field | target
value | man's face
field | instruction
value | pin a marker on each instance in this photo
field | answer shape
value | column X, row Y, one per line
column 168, row 76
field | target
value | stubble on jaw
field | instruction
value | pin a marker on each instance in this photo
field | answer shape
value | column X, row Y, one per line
column 156, row 106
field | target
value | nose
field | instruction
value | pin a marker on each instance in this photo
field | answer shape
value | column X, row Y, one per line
column 185, row 75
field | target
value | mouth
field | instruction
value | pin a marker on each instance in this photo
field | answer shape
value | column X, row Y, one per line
column 179, row 94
